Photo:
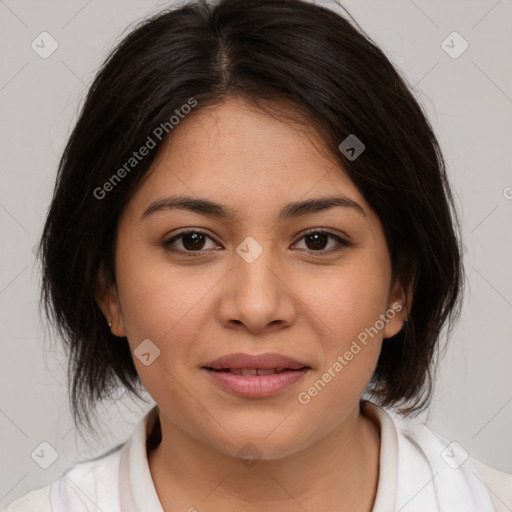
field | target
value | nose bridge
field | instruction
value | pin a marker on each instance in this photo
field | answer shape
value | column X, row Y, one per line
column 255, row 266
column 258, row 294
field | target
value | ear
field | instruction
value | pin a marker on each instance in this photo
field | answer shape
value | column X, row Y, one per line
column 108, row 301
column 399, row 305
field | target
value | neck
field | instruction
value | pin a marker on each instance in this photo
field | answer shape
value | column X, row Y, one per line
column 338, row 472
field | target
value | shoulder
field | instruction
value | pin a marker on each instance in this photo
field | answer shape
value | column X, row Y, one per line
column 37, row 500
column 455, row 471
column 452, row 454
column 499, row 484
column 91, row 481
column 444, row 471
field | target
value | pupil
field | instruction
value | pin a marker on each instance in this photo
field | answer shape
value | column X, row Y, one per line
column 317, row 238
column 196, row 241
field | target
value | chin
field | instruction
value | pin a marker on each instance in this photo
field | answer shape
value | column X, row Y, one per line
column 260, row 447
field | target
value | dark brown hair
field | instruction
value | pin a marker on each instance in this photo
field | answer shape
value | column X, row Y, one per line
column 337, row 78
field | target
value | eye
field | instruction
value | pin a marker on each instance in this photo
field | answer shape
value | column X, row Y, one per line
column 191, row 241
column 315, row 241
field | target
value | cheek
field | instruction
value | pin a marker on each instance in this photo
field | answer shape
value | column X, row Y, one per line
column 161, row 305
column 350, row 348
column 348, row 299
column 170, row 305
column 158, row 298
column 348, row 308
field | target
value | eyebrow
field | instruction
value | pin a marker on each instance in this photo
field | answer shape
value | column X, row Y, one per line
column 213, row 209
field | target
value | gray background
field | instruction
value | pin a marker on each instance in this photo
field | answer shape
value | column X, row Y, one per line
column 469, row 102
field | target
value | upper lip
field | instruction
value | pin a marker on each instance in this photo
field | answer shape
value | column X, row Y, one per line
column 265, row 361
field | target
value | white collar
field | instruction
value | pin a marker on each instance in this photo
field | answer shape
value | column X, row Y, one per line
column 413, row 475
column 138, row 493
column 433, row 474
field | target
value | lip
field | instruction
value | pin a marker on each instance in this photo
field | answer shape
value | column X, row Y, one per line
column 265, row 361
column 255, row 386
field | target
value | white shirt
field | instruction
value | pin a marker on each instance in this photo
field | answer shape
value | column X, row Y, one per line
column 419, row 471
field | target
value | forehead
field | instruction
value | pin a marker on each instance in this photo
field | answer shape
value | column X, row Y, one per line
column 249, row 159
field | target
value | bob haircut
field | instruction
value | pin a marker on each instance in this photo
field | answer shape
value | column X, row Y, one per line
column 266, row 52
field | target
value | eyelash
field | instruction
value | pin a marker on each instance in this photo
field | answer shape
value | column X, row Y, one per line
column 343, row 243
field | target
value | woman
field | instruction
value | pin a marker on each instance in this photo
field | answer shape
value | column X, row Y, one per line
column 252, row 220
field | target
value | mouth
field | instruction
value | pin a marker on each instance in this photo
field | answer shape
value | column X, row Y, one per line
column 255, row 376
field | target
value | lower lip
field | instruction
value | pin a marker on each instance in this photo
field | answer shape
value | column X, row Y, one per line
column 256, row 386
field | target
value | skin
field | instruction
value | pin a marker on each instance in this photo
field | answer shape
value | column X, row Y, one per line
column 292, row 300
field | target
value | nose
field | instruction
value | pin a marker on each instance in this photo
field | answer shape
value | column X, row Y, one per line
column 257, row 294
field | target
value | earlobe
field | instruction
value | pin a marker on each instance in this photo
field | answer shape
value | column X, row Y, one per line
column 395, row 317
column 398, row 310
column 108, row 301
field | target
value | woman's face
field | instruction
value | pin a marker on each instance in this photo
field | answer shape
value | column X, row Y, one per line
column 252, row 282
